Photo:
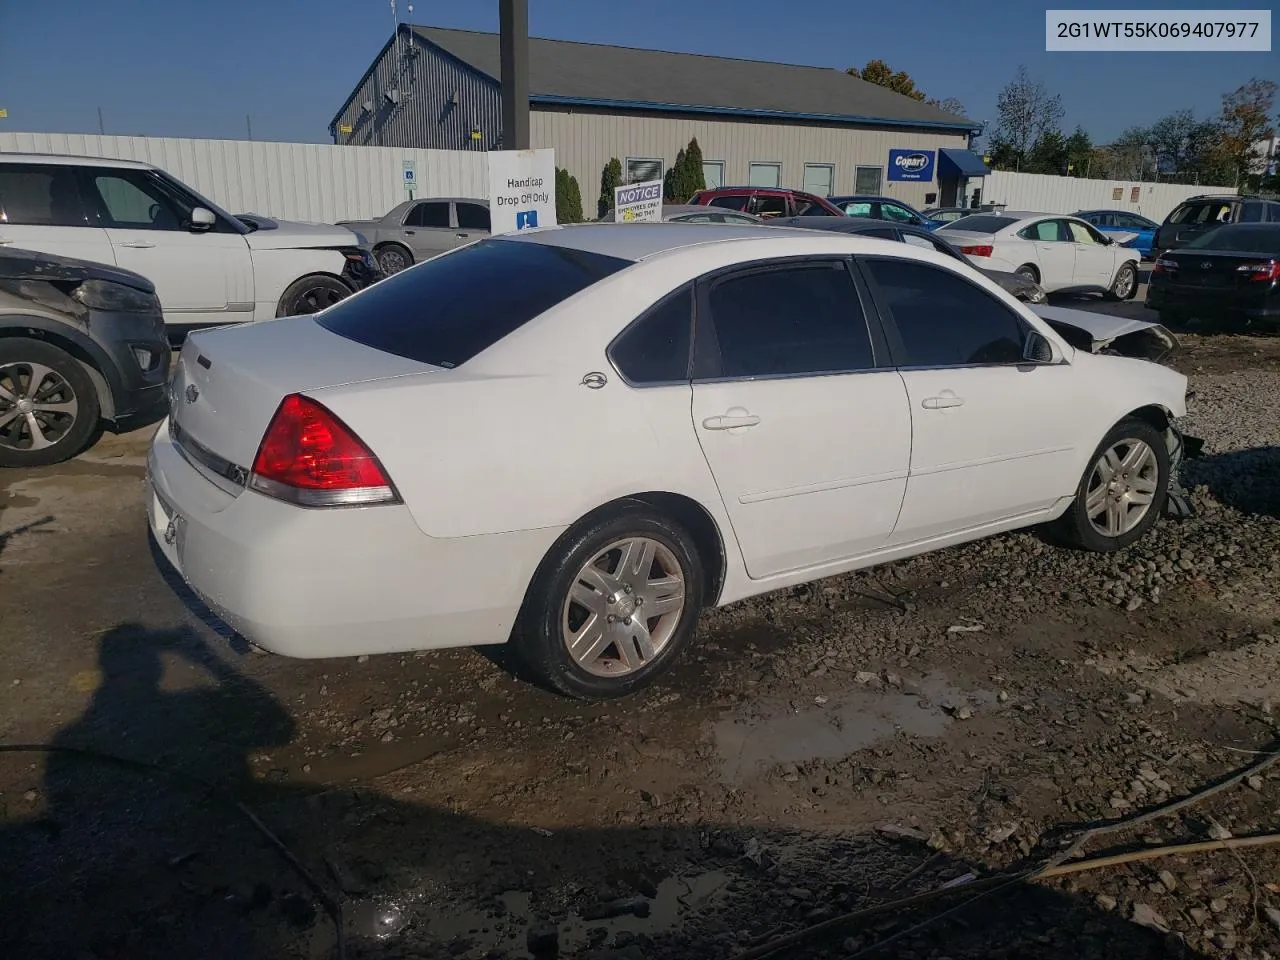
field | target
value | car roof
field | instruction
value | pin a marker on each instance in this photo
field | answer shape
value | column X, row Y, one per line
column 750, row 189
column 63, row 159
column 640, row 241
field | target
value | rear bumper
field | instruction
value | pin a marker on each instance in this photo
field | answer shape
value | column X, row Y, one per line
column 334, row 582
column 1262, row 304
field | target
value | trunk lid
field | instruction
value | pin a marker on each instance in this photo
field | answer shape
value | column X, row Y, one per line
column 1210, row 269
column 229, row 381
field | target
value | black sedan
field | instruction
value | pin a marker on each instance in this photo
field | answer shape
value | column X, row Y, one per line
column 82, row 348
column 1229, row 275
column 1024, row 288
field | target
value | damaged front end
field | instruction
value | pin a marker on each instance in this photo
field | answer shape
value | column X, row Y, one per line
column 1181, row 447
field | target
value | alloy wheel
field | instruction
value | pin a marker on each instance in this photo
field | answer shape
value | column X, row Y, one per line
column 38, row 406
column 623, row 607
column 314, row 299
column 1122, row 487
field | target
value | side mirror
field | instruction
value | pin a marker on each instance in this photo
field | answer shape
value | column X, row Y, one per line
column 1037, row 348
column 202, row 219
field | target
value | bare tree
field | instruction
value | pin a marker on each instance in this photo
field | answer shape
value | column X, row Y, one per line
column 1168, row 137
column 948, row 105
column 1025, row 111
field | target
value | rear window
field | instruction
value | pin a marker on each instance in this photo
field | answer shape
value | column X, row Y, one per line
column 451, row 308
column 1241, row 239
column 980, row 223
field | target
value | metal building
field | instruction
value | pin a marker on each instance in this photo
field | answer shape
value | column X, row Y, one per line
column 760, row 123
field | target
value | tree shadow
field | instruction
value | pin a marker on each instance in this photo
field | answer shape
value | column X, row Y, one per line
column 1246, row 480
column 120, row 865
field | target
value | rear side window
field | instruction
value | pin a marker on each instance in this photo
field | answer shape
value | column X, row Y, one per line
column 655, row 349
column 790, row 320
column 943, row 319
column 44, row 196
column 981, row 223
column 472, row 216
column 449, row 309
column 429, row 215
column 770, row 206
column 730, row 203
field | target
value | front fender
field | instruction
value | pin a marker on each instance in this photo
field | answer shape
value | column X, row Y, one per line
column 102, row 371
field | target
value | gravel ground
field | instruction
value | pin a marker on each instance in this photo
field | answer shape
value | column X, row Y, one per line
column 823, row 749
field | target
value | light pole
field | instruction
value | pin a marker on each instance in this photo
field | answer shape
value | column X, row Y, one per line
column 513, row 16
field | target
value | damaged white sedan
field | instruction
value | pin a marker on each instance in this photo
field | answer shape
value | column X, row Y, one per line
column 576, row 438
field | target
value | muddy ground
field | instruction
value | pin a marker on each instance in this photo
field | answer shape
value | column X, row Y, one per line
column 824, row 749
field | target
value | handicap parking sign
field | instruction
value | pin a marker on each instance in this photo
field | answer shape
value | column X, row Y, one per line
column 526, row 218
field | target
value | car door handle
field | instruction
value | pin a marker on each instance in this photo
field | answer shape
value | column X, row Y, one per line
column 729, row 423
column 4, row 240
column 408, row 233
column 942, row 402
column 138, row 244
column 462, row 236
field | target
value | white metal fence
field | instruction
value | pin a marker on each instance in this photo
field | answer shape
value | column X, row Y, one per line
column 293, row 181
column 1041, row 193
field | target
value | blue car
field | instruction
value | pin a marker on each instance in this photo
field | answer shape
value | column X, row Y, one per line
column 1122, row 221
column 884, row 208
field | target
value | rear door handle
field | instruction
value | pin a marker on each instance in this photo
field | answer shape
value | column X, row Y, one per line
column 138, row 244
column 462, row 236
column 4, row 240
column 729, row 423
column 408, row 233
column 942, row 402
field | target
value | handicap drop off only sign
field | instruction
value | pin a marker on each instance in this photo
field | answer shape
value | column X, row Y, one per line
column 522, row 189
column 638, row 202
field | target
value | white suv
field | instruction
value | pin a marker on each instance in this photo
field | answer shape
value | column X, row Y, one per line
column 208, row 267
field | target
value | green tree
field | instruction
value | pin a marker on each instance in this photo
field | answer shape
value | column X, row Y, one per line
column 1246, row 118
column 1048, row 154
column 1129, row 155
column 694, row 179
column 882, row 75
column 1079, row 150
column 610, row 180
column 671, row 184
column 568, row 197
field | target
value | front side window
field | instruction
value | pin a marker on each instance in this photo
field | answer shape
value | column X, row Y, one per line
column 790, row 320
column 134, row 201
column 449, row 309
column 1080, row 233
column 429, row 215
column 858, row 208
column 655, row 349
column 472, row 216
column 40, row 195
column 944, row 320
column 891, row 211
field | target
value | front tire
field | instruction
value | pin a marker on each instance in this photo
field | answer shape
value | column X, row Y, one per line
column 49, row 408
column 392, row 258
column 1125, row 285
column 1122, row 493
column 612, row 605
column 311, row 294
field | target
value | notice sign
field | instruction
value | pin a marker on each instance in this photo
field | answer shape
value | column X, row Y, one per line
column 522, row 189
column 638, row 202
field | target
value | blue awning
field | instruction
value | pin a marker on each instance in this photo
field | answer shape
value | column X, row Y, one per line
column 961, row 163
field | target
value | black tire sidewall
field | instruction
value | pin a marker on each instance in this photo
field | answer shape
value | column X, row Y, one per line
column 288, row 300
column 1076, row 526
column 538, row 638
column 1028, row 271
column 16, row 349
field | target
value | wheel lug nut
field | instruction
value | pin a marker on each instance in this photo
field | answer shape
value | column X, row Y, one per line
column 627, row 588
column 627, row 621
column 612, row 618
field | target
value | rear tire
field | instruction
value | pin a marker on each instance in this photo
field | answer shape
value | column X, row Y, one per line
column 311, row 294
column 1125, row 284
column 1131, row 465
column 49, row 408
column 392, row 258
column 584, row 630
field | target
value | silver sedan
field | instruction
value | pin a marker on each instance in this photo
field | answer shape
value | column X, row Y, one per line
column 418, row 230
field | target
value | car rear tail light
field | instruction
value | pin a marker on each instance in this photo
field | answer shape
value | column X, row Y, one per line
column 311, row 458
column 1165, row 265
column 1263, row 272
column 981, row 250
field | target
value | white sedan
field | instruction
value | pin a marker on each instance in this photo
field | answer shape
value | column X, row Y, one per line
column 538, row 438
column 1062, row 254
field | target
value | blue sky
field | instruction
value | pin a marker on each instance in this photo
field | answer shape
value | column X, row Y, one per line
column 195, row 68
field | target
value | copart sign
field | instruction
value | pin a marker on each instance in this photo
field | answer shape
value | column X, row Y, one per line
column 911, row 165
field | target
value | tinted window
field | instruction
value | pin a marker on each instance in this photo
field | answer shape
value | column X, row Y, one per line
column 429, row 215
column 1214, row 211
column 981, row 223
column 472, row 216
column 1131, row 221
column 891, row 211
column 885, row 233
column 448, row 309
column 943, row 319
column 1252, row 212
column 655, row 349
column 731, row 203
column 770, row 207
column 790, row 320
column 43, row 196
column 136, row 201
column 1241, row 238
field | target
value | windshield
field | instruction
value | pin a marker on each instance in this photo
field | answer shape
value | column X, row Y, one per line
column 448, row 309
column 979, row 223
column 1263, row 240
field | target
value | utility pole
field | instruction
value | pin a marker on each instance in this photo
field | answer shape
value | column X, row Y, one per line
column 513, row 17
column 248, row 126
column 101, row 127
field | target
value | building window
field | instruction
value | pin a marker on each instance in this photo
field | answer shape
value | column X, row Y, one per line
column 867, row 179
column 643, row 169
column 713, row 173
column 820, row 178
column 764, row 174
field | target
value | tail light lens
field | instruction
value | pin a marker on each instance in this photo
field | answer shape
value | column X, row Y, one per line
column 1263, row 272
column 1165, row 265
column 310, row 457
column 982, row 250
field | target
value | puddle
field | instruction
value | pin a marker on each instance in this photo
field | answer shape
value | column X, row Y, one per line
column 504, row 927
column 845, row 724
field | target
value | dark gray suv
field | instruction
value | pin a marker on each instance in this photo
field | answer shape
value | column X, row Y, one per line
column 1195, row 215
